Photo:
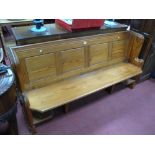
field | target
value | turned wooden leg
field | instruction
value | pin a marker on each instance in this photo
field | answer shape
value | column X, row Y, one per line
column 132, row 85
column 133, row 82
column 13, row 126
column 110, row 89
column 66, row 108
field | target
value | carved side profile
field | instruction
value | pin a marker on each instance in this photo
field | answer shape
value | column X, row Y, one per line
column 135, row 45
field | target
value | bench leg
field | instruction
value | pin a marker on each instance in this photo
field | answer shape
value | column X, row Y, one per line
column 66, row 108
column 132, row 85
column 28, row 115
column 135, row 80
column 110, row 89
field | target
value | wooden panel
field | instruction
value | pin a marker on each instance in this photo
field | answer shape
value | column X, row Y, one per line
column 41, row 66
column 118, row 54
column 72, row 59
column 48, row 80
column 71, row 62
column 119, row 45
column 68, row 90
column 98, row 53
column 119, row 49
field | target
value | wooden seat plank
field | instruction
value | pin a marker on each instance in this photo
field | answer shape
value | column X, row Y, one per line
column 68, row 90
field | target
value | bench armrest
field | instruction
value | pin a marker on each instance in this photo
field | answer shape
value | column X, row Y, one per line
column 135, row 45
column 138, row 62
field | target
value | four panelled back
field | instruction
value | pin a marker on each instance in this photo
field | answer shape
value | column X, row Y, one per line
column 40, row 64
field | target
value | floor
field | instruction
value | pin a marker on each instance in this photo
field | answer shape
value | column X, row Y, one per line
column 126, row 111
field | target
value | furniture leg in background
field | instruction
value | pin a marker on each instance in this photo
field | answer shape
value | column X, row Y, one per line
column 13, row 126
column 10, row 117
column 8, row 100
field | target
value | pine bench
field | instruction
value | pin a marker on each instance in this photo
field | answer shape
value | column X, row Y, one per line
column 55, row 73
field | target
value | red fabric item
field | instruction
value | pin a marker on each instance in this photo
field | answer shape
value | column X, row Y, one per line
column 80, row 24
